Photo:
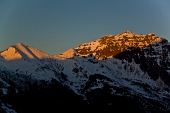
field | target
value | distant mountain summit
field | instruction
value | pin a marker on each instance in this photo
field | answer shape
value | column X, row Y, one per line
column 23, row 51
column 68, row 54
column 110, row 46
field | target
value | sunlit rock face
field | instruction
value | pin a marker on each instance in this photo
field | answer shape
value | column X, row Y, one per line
column 110, row 46
column 148, row 50
column 11, row 54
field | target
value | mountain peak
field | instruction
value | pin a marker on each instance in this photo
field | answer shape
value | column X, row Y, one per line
column 110, row 46
column 129, row 32
column 68, row 54
column 23, row 51
column 20, row 44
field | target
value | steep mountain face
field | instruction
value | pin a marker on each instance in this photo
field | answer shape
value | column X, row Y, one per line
column 126, row 71
column 150, row 51
column 110, row 46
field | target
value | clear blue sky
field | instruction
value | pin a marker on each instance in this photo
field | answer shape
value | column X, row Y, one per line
column 54, row 26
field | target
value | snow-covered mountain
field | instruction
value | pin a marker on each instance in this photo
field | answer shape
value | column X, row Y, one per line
column 23, row 59
column 25, row 52
column 149, row 51
column 104, row 72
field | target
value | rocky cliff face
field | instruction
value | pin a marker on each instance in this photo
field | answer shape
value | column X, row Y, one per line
column 110, row 46
column 150, row 51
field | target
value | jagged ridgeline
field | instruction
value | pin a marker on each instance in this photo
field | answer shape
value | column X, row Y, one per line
column 120, row 72
column 150, row 51
column 110, row 46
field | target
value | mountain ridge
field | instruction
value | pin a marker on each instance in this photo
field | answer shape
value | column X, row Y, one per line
column 127, row 46
column 112, row 45
column 104, row 73
column 126, row 36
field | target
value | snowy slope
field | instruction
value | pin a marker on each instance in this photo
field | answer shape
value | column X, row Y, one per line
column 78, row 70
column 24, row 59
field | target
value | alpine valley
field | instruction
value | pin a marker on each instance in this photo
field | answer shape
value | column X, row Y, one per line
column 126, row 72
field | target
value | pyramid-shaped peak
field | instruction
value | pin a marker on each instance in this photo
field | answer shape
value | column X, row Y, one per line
column 21, row 47
column 20, row 44
column 23, row 51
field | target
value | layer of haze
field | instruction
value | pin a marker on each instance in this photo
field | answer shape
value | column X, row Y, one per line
column 54, row 26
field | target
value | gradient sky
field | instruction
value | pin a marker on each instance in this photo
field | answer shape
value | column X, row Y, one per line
column 54, row 26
